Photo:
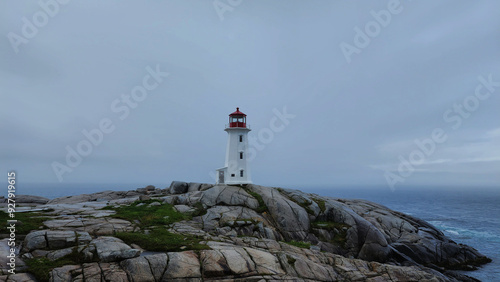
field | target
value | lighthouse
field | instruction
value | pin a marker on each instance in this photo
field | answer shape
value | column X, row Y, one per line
column 236, row 170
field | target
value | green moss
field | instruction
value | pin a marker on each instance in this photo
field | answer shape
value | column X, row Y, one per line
column 161, row 240
column 262, row 206
column 338, row 229
column 199, row 210
column 291, row 260
column 305, row 206
column 299, row 244
column 147, row 215
column 154, row 219
column 329, row 225
column 321, row 204
column 26, row 221
column 41, row 267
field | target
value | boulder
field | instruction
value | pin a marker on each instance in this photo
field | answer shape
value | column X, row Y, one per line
column 291, row 219
column 89, row 272
column 111, row 249
column 192, row 186
column 62, row 273
column 178, row 187
column 144, row 198
column 228, row 196
column 183, row 208
column 214, row 264
column 157, row 263
column 20, row 277
column 139, row 269
column 221, row 216
column 265, row 263
column 182, row 265
column 86, row 252
column 55, row 239
column 95, row 226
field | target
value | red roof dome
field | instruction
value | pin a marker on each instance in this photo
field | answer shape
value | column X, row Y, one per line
column 237, row 113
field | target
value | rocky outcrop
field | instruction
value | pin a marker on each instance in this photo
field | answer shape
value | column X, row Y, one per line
column 112, row 249
column 248, row 231
column 28, row 199
column 97, row 197
column 99, row 226
column 228, row 262
column 50, row 239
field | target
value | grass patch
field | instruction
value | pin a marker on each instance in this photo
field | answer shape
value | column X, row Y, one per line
column 147, row 215
column 262, row 206
column 26, row 221
column 199, row 210
column 339, row 231
column 161, row 240
column 321, row 204
column 328, row 225
column 155, row 219
column 109, row 207
column 41, row 267
column 305, row 206
column 299, row 244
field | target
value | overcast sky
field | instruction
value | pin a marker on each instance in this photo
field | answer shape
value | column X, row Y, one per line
column 357, row 93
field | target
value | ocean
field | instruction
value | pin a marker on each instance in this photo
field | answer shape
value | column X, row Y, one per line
column 469, row 216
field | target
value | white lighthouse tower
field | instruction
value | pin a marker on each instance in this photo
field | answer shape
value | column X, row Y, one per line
column 236, row 170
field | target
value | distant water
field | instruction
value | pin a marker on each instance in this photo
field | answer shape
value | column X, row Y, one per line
column 468, row 216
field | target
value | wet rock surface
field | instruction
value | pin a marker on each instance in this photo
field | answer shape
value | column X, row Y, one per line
column 252, row 233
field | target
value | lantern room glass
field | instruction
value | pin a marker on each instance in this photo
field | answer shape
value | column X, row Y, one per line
column 237, row 121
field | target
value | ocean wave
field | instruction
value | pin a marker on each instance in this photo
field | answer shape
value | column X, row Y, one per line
column 451, row 232
column 464, row 233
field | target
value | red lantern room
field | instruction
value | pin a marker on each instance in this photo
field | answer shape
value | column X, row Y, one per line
column 238, row 119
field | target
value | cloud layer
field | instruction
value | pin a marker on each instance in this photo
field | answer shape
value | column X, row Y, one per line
column 353, row 118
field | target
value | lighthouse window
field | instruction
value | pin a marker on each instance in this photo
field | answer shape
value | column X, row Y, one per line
column 232, row 175
column 241, row 173
column 241, row 155
column 241, row 138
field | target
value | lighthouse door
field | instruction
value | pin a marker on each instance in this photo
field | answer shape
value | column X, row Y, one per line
column 221, row 176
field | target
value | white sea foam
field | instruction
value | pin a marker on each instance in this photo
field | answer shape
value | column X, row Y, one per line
column 452, row 232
